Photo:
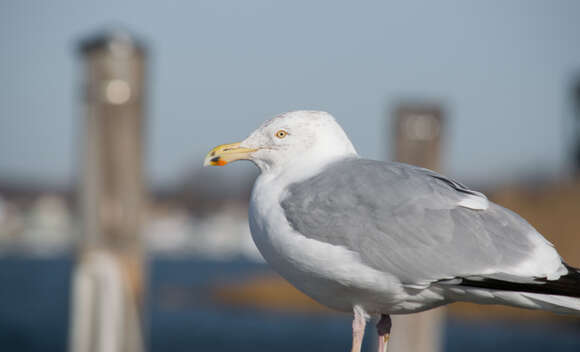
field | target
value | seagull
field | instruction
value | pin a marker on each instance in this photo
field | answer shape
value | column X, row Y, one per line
column 378, row 238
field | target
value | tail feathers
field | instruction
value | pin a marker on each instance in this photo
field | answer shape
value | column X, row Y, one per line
column 559, row 296
column 566, row 285
column 554, row 303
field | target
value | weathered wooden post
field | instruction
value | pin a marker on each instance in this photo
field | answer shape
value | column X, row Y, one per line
column 417, row 138
column 418, row 135
column 108, row 282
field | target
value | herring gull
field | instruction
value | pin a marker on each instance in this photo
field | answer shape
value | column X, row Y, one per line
column 378, row 238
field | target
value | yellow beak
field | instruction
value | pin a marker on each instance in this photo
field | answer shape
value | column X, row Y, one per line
column 227, row 153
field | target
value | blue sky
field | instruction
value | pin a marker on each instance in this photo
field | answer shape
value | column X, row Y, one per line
column 503, row 71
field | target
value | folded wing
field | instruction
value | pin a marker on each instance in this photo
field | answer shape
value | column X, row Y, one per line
column 418, row 225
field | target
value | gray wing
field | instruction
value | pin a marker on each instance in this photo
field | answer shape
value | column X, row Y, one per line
column 409, row 221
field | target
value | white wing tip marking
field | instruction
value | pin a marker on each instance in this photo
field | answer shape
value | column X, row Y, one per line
column 475, row 202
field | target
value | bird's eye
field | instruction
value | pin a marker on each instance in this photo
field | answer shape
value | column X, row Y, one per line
column 281, row 134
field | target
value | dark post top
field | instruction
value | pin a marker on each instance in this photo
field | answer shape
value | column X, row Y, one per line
column 111, row 39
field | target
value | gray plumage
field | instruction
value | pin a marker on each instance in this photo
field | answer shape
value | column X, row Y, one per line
column 407, row 221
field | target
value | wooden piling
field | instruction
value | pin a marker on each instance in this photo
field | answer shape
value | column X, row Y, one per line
column 418, row 129
column 108, row 283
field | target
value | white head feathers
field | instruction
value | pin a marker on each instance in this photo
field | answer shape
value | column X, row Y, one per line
column 302, row 139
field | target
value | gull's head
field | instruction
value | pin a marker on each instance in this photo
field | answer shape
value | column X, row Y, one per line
column 297, row 138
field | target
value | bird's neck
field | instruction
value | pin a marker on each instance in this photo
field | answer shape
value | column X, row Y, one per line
column 301, row 169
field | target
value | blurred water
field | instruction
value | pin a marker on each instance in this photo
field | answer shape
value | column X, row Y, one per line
column 182, row 316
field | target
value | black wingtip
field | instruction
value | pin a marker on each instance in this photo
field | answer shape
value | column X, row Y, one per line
column 566, row 285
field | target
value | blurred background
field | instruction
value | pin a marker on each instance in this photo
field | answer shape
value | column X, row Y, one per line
column 112, row 236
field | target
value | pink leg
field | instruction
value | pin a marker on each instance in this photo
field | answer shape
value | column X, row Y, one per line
column 384, row 330
column 358, row 328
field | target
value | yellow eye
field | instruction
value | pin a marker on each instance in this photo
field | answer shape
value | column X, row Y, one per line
column 281, row 134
